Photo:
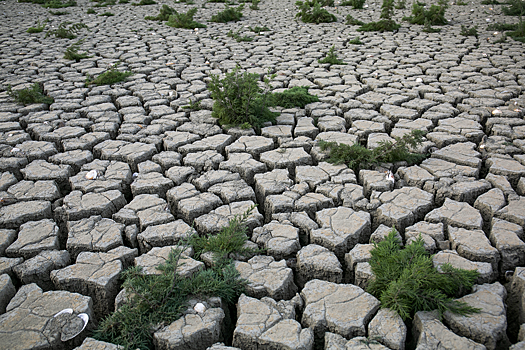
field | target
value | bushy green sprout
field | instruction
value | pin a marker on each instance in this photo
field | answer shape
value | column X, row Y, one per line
column 194, row 105
column 65, row 32
column 58, row 13
column 184, row 20
column 39, row 27
column 356, row 4
column 502, row 27
column 229, row 14
column 123, row 1
column 164, row 15
column 386, row 23
column 106, row 14
column 515, row 8
column 461, row 3
column 312, row 12
column 111, row 76
column 358, row 157
column 519, row 33
column 55, row 4
column 406, row 281
column 401, row 5
column 255, row 4
column 331, row 57
column 259, row 30
column 435, row 14
column 427, row 28
column 298, row 96
column 490, row 2
column 239, row 99
column 104, row 3
column 350, row 20
column 72, row 52
column 143, row 3
column 33, row 94
column 355, row 41
column 91, row 11
column 238, row 37
column 469, row 31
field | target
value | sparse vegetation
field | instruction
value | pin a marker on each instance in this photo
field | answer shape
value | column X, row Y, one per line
column 259, row 30
column 58, row 13
column 435, row 15
column 469, row 31
column 161, row 298
column 164, row 15
column 490, row 2
column 106, row 14
column 358, row 157
column 104, row 3
column 255, row 5
column 236, row 35
column 91, row 11
column 297, row 96
column 331, row 57
column 229, row 14
column 65, row 32
column 502, row 27
column 143, row 3
column 72, row 52
column 55, row 4
column 111, row 76
column 33, row 94
column 514, row 8
column 312, row 12
column 356, row 4
column 406, row 281
column 193, row 105
column 350, row 20
column 386, row 23
column 401, row 4
column 184, row 20
column 355, row 41
column 39, row 27
column 427, row 28
column 519, row 33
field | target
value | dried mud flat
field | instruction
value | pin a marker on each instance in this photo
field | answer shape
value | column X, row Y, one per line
column 159, row 168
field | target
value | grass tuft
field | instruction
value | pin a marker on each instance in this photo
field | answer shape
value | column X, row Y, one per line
column 67, row 32
column 72, row 52
column 238, row 37
column 312, row 12
column 259, row 30
column 420, row 15
column 184, row 20
column 143, row 3
column 297, row 96
column 229, row 14
column 33, row 94
column 355, row 41
column 469, row 31
column 56, row 4
column 164, row 15
column 356, row 4
column 350, row 20
column 111, row 76
column 38, row 29
column 331, row 57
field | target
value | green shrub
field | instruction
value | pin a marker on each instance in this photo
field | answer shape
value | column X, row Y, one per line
column 104, row 3
column 111, row 76
column 91, row 11
column 143, row 3
column 331, row 57
column 519, row 33
column 515, row 8
column 350, row 20
column 39, row 27
column 297, row 96
column 311, row 12
column 502, row 27
column 428, row 28
column 58, row 13
column 161, row 299
column 238, row 99
column 238, row 37
column 435, row 15
column 184, row 20
column 66, row 32
column 386, row 23
column 490, row 2
column 33, row 94
column 164, row 15
column 355, row 41
column 72, row 52
column 406, row 281
column 259, row 30
column 401, row 5
column 469, row 31
column 229, row 14
column 356, row 4
column 107, row 14
column 358, row 157
column 55, row 4
column 255, row 4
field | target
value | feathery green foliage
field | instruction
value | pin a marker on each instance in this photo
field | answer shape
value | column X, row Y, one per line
column 259, row 30
column 356, row 4
column 72, row 52
column 350, row 20
column 515, row 8
column 56, row 4
column 160, row 299
column 469, row 31
column 91, row 11
column 311, row 12
column 67, row 32
column 427, row 28
column 143, row 3
column 39, row 27
column 355, row 41
column 106, row 14
column 164, row 15
column 104, row 3
column 58, row 13
column 519, row 33
column 193, row 105
column 358, row 157
column 255, row 5
column 111, row 76
column 406, row 281
column 490, row 2
column 236, row 35
column 435, row 14
column 239, row 99
column 386, row 23
column 297, row 96
column 502, row 26
column 33, row 94
column 331, row 57
column 184, row 20
column 401, row 5
column 229, row 14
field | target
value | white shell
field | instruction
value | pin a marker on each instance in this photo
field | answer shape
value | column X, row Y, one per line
column 65, row 311
column 199, row 307
column 92, row 175
column 84, row 318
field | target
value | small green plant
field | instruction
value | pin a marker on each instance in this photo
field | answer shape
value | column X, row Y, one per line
column 123, row 1
column 297, row 96
column 255, row 4
column 350, row 20
column 39, row 27
column 106, row 14
column 104, row 3
column 184, row 20
column 72, row 52
column 229, row 14
column 259, row 30
column 58, row 13
column 355, row 41
column 143, row 3
column 515, row 8
column 56, row 4
column 490, row 2
column 238, row 37
column 386, row 23
column 194, row 105
column 157, row 299
column 164, row 15
column 311, row 12
column 33, row 94
column 239, row 99
column 91, row 11
column 469, row 31
column 406, row 281
column 331, row 57
column 519, row 33
column 427, row 28
column 401, row 4
column 501, row 40
column 502, row 27
column 65, row 32
column 435, row 14
column 358, row 157
column 111, row 76
column 356, row 4
column 461, row 3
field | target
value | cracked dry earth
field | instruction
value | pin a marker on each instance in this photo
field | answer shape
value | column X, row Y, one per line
column 110, row 177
